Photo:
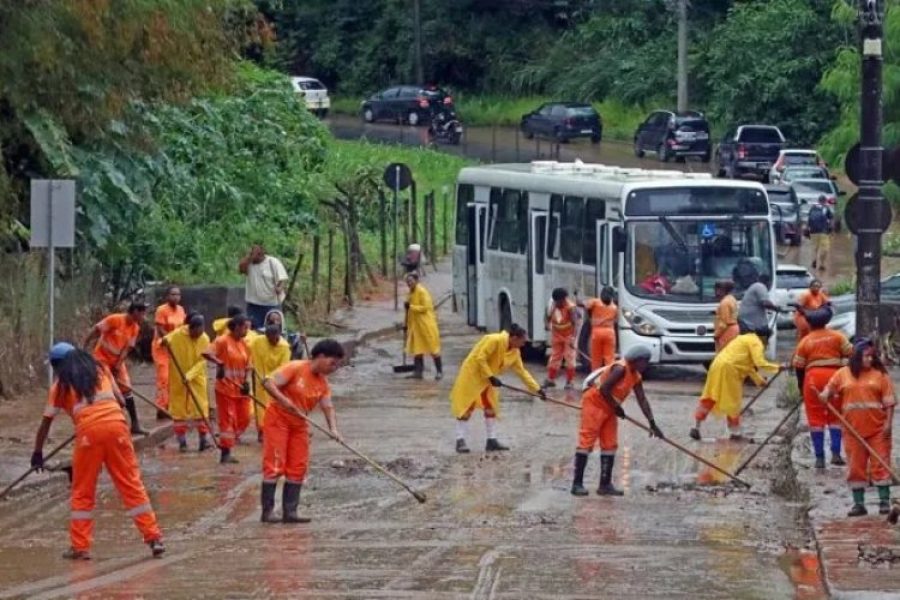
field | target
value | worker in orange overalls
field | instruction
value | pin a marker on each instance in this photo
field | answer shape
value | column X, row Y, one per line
column 86, row 391
column 601, row 406
column 295, row 389
column 603, row 313
column 562, row 321
column 169, row 315
column 813, row 298
column 231, row 356
column 818, row 356
column 866, row 396
column 726, row 327
column 116, row 336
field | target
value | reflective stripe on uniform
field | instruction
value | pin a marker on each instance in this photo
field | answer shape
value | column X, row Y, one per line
column 862, row 406
column 239, row 373
column 607, row 453
column 825, row 362
column 325, row 402
column 79, row 406
column 140, row 509
column 858, row 485
column 109, row 347
column 82, row 515
column 226, row 435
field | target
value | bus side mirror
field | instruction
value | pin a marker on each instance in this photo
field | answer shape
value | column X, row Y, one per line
column 619, row 240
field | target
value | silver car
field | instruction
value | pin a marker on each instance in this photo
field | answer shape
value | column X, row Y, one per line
column 790, row 282
column 808, row 192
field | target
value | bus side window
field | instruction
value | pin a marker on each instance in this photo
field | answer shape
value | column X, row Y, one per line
column 556, row 205
column 464, row 195
column 493, row 212
column 595, row 210
column 570, row 229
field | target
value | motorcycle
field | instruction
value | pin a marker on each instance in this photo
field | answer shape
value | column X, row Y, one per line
column 445, row 127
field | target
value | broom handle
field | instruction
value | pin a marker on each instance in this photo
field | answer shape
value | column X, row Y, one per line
column 190, row 391
column 768, row 439
column 760, row 392
column 675, row 445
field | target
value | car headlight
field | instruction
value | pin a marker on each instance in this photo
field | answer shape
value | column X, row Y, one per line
column 639, row 323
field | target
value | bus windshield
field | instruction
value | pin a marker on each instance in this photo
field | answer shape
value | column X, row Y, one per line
column 681, row 260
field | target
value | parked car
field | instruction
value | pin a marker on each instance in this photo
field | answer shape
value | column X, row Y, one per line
column 785, row 208
column 844, row 306
column 792, row 157
column 749, row 150
column 563, row 121
column 791, row 174
column 404, row 104
column 673, row 135
column 315, row 94
column 790, row 282
column 809, row 190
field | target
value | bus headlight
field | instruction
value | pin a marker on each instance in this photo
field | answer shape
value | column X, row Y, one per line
column 639, row 323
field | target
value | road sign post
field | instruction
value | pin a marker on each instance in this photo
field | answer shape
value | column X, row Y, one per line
column 871, row 198
column 397, row 176
column 52, row 226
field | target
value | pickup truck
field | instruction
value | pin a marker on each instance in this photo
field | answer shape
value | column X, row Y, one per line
column 749, row 150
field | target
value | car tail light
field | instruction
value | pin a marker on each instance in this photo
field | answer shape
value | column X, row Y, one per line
column 448, row 100
column 423, row 102
column 831, row 200
column 741, row 151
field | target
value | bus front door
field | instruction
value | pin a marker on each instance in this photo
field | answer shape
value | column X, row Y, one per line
column 477, row 215
column 537, row 254
column 604, row 255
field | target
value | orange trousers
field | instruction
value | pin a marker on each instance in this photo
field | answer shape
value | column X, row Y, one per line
column 603, row 347
column 705, row 405
column 485, row 405
column 161, row 361
column 598, row 424
column 107, row 444
column 244, row 415
column 562, row 348
column 729, row 334
column 285, row 448
column 861, row 462
column 227, row 408
column 182, row 427
column 817, row 414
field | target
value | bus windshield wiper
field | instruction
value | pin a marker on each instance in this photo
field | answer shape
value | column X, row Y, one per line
column 673, row 233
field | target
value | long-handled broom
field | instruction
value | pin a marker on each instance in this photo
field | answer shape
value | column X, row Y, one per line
column 404, row 368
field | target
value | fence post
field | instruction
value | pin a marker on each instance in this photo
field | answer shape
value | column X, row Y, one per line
column 432, row 236
column 330, row 273
column 444, row 209
column 315, row 266
column 411, row 214
column 348, row 262
column 382, row 223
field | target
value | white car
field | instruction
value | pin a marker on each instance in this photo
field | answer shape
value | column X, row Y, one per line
column 315, row 94
column 790, row 282
column 792, row 157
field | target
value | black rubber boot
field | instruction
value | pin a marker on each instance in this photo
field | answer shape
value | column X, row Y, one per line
column 290, row 500
column 578, row 488
column 161, row 415
column 204, row 443
column 157, row 548
column 461, row 447
column 267, row 499
column 439, row 367
column 133, row 416
column 694, row 434
column 419, row 367
column 182, row 444
column 606, row 470
column 493, row 445
column 226, row 457
column 858, row 510
column 837, row 459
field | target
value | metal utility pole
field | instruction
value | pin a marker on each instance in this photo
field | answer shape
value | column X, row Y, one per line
column 682, row 56
column 417, row 16
column 868, row 248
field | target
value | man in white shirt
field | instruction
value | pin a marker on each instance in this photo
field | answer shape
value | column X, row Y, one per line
column 266, row 277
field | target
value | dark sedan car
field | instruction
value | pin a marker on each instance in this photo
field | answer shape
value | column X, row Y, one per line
column 673, row 135
column 405, row 104
column 563, row 121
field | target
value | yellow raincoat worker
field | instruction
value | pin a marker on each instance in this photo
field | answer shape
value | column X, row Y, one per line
column 422, row 335
column 186, row 344
column 723, row 392
column 267, row 353
column 475, row 385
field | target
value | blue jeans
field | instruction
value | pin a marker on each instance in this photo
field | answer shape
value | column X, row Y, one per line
column 257, row 313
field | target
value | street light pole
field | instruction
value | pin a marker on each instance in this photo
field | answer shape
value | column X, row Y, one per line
column 682, row 56
column 417, row 18
column 868, row 247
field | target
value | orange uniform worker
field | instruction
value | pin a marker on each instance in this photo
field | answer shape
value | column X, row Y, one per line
column 168, row 316
column 296, row 388
column 812, row 299
column 866, row 395
column 86, row 391
column 231, row 356
column 817, row 358
column 116, row 335
column 726, row 327
column 562, row 322
column 602, row 312
column 601, row 407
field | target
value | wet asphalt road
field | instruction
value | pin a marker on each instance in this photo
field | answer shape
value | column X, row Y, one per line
column 495, row 526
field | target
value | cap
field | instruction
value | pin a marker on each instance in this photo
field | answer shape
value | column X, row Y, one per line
column 638, row 352
column 60, row 350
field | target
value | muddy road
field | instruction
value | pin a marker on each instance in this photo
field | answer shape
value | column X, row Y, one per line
column 495, row 526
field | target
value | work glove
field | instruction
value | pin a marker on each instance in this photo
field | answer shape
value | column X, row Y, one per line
column 245, row 388
column 406, row 305
column 495, row 381
column 655, row 431
column 37, row 460
column 620, row 412
column 220, row 371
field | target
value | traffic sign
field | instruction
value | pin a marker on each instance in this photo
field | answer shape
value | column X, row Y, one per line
column 853, row 215
column 397, row 176
column 890, row 164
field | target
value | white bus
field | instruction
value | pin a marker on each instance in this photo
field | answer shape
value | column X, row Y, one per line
column 661, row 239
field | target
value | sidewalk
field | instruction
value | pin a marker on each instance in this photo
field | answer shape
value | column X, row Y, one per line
column 20, row 417
column 859, row 556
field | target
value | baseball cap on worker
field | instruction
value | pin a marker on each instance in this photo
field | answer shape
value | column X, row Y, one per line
column 60, row 350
